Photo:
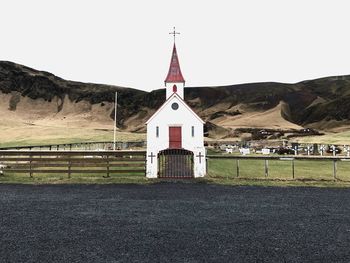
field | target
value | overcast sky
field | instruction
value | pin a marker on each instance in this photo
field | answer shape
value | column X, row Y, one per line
column 222, row 42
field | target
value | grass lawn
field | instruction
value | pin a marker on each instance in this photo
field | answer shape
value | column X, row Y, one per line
column 74, row 179
column 221, row 171
column 255, row 169
column 318, row 173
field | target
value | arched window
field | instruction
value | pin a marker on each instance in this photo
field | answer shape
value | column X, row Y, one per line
column 174, row 88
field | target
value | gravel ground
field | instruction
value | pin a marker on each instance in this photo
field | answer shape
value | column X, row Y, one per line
column 173, row 222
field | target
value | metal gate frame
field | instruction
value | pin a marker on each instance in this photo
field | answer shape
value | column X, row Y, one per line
column 176, row 164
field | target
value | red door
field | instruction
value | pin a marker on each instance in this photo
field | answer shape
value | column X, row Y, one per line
column 175, row 138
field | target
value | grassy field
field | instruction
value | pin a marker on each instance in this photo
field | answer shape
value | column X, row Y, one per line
column 60, row 135
column 330, row 138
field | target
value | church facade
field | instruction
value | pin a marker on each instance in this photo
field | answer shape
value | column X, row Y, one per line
column 175, row 140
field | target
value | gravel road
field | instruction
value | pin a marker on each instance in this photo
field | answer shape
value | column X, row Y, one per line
column 173, row 222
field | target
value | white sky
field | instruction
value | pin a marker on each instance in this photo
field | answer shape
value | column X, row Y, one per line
column 222, row 42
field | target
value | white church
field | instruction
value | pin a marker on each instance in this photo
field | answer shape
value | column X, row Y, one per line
column 175, row 140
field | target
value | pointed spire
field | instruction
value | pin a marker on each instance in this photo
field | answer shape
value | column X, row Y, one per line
column 174, row 74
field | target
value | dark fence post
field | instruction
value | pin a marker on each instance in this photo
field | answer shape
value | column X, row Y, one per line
column 293, row 169
column 266, row 168
column 237, row 165
column 30, row 165
column 145, row 164
column 334, row 170
column 207, row 165
column 107, row 159
column 69, row 166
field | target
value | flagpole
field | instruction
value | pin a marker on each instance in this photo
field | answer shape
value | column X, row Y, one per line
column 115, row 119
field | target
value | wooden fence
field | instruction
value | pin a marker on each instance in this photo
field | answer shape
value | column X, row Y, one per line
column 70, row 162
column 334, row 160
column 79, row 146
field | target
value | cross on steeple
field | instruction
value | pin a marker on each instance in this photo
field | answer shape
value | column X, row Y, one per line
column 174, row 33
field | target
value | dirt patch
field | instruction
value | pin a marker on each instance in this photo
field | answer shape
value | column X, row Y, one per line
column 274, row 118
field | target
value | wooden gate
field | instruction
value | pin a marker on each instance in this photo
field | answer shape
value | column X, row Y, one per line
column 175, row 163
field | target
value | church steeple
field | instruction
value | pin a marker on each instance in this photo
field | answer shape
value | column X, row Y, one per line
column 174, row 82
column 174, row 74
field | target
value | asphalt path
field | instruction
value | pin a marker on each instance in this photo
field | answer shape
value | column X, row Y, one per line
column 173, row 222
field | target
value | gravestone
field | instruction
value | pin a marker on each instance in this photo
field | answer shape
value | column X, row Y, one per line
column 295, row 147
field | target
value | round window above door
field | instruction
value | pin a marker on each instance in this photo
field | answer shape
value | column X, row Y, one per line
column 174, row 106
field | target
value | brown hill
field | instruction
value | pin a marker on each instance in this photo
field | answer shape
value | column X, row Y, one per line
column 32, row 97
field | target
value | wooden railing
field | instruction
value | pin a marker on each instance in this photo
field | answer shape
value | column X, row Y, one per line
column 69, row 162
column 334, row 160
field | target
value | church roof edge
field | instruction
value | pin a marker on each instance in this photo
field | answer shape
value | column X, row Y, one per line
column 167, row 101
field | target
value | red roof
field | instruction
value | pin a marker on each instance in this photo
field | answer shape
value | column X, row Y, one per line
column 174, row 74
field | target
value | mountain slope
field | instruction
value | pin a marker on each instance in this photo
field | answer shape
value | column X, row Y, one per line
column 40, row 98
